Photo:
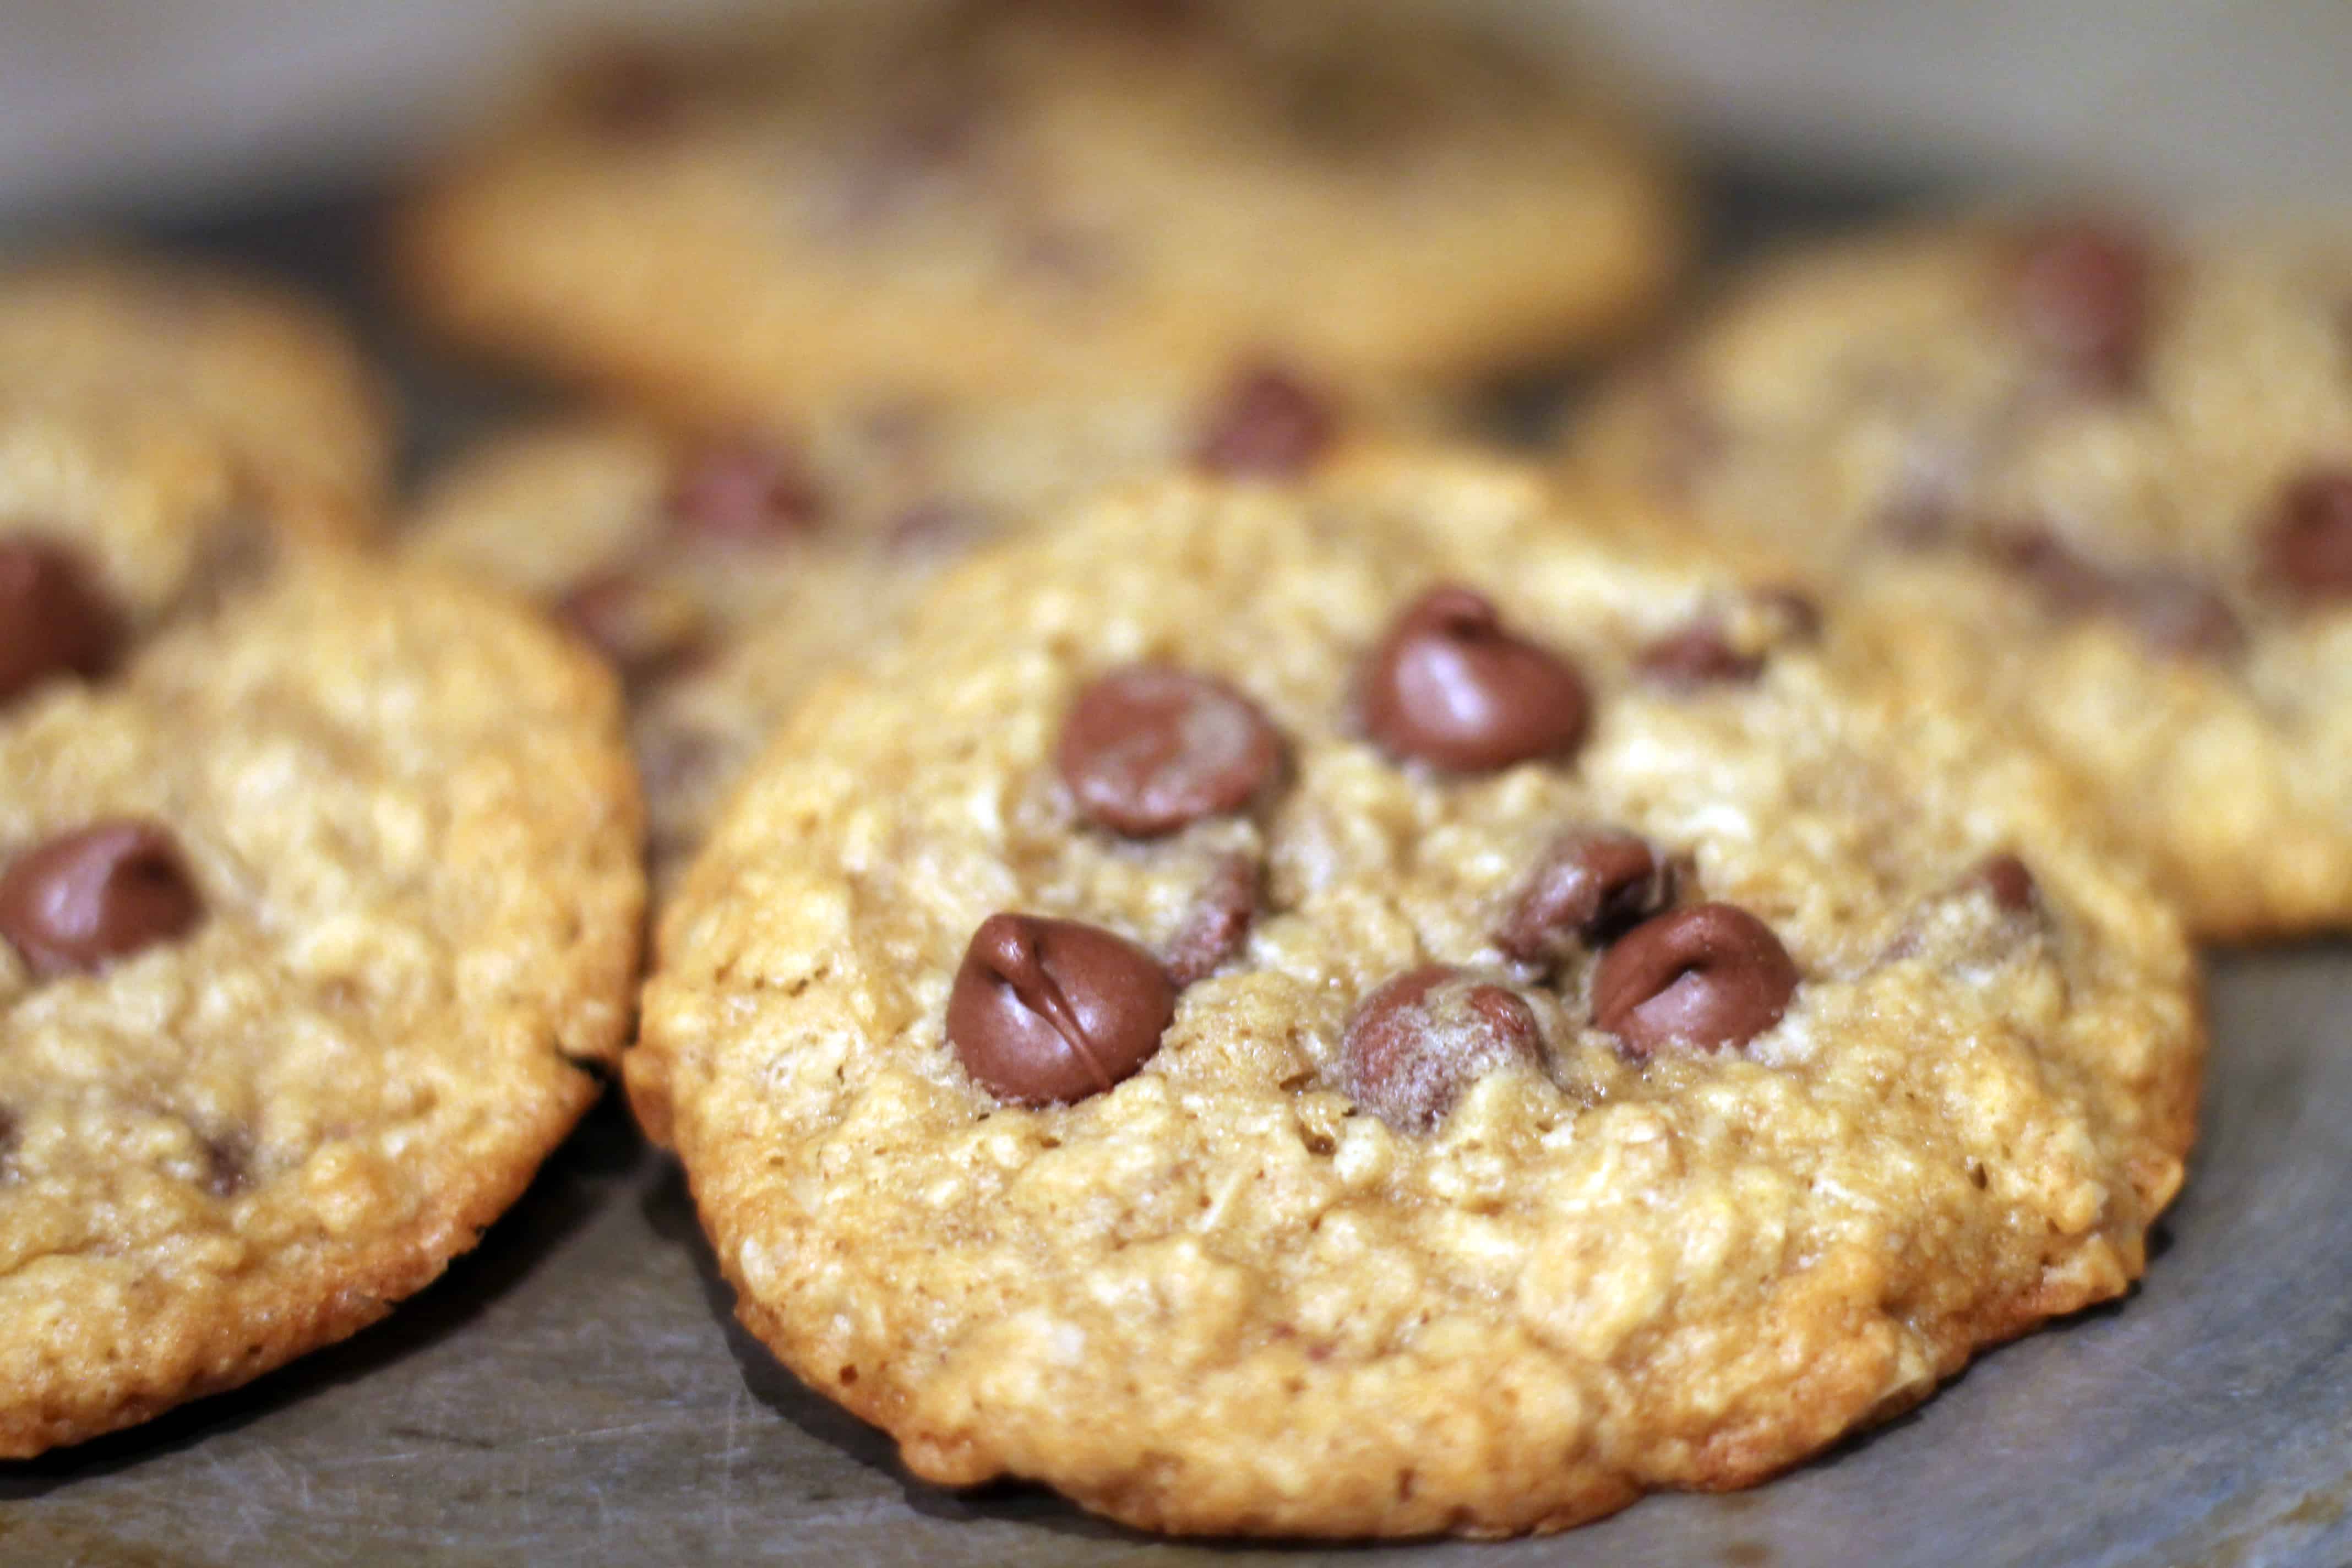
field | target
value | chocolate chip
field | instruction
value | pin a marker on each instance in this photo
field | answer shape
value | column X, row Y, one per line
column 1217, row 924
column 1148, row 749
column 746, row 490
column 104, row 893
column 1268, row 425
column 642, row 631
column 932, row 124
column 228, row 1164
column 1698, row 655
column 2310, row 538
column 1799, row 613
column 1450, row 686
column 2178, row 615
column 1046, row 1012
column 1710, row 976
column 1346, row 107
column 938, row 526
column 2005, row 877
column 1423, row 1037
column 629, row 92
column 1591, row 883
column 2063, row 580
column 53, row 619
column 2082, row 293
column 2173, row 612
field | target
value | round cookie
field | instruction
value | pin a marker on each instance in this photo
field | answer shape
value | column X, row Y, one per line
column 993, row 199
column 318, row 923
column 1365, row 1011
column 721, row 575
column 2094, row 477
column 270, row 371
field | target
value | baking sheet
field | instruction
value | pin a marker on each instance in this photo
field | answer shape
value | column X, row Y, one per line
column 577, row 1390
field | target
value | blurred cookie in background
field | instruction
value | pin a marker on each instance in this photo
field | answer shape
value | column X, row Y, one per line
column 2092, row 474
column 720, row 573
column 267, row 369
column 1005, row 198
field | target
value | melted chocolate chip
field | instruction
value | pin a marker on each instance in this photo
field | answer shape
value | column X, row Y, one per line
column 79, row 901
column 228, row 1164
column 744, row 491
column 2081, row 292
column 53, row 619
column 1800, row 613
column 1217, row 924
column 1423, row 1037
column 1591, row 883
column 2173, row 612
column 642, row 632
column 1449, row 684
column 1046, row 1012
column 2309, row 541
column 2005, row 877
column 629, row 92
column 933, row 125
column 1269, row 425
column 2178, row 615
column 937, row 526
column 1707, row 977
column 1147, row 750
column 1698, row 655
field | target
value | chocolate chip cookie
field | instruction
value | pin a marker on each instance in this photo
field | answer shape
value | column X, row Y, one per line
column 1282, row 1012
column 269, row 371
column 2092, row 476
column 719, row 574
column 318, row 917
column 1021, row 198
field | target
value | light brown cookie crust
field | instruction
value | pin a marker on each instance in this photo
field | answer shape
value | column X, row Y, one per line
column 1213, row 1301
column 408, row 811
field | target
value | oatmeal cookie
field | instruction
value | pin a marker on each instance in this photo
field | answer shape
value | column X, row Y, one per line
column 2094, row 477
column 271, row 373
column 1367, row 1010
column 318, row 920
column 982, row 200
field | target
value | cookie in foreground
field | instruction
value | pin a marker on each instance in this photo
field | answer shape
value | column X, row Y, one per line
column 968, row 201
column 2087, row 474
column 319, row 916
column 1367, row 1011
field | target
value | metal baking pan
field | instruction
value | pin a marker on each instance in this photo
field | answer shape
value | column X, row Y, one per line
column 575, row 1391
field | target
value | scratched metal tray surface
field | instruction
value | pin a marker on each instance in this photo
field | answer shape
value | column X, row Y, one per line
column 577, row 1390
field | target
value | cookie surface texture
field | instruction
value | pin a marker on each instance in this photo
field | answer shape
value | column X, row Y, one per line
column 1282, row 1013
